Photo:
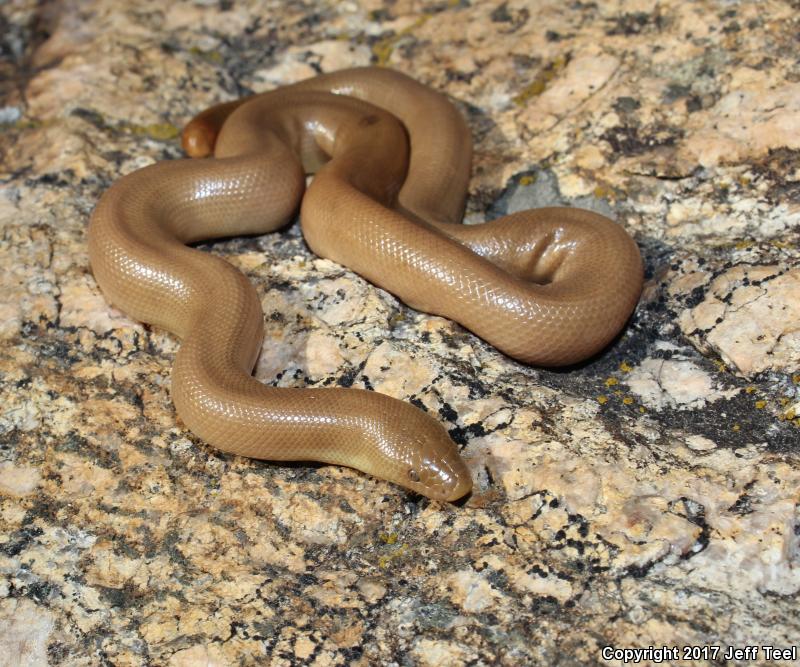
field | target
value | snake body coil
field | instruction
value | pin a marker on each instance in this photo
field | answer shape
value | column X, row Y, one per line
column 391, row 157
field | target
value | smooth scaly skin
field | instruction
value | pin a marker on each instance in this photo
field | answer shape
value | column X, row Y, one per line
column 550, row 286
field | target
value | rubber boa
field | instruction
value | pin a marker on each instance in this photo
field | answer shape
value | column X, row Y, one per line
column 391, row 159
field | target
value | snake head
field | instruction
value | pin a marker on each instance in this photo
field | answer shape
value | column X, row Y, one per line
column 418, row 454
column 439, row 474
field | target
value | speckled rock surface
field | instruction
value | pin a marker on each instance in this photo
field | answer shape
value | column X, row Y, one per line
column 647, row 497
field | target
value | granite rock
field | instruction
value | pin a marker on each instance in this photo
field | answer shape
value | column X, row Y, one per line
column 647, row 496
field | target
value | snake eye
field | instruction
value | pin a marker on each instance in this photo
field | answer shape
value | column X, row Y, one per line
column 413, row 475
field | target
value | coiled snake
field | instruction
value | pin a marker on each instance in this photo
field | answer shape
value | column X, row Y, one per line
column 548, row 286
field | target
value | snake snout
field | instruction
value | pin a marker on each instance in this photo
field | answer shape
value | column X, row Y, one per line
column 439, row 472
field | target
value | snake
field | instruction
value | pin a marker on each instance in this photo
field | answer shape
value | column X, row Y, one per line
column 391, row 161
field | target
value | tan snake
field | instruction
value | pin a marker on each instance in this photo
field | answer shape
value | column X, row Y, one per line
column 392, row 157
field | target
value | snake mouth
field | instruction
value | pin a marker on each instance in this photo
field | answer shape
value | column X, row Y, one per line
column 445, row 480
column 462, row 487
